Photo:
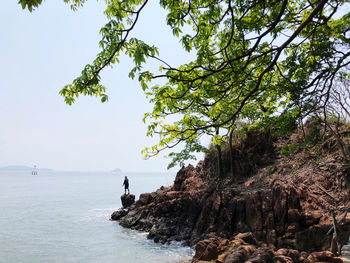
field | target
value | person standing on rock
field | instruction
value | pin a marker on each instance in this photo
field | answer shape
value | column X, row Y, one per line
column 126, row 185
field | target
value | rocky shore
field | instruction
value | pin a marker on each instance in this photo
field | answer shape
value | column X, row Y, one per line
column 277, row 208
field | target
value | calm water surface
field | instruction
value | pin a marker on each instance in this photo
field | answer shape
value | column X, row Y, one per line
column 63, row 217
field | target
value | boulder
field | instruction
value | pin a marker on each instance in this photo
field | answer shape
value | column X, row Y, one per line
column 119, row 214
column 240, row 254
column 262, row 254
column 209, row 249
column 324, row 256
column 283, row 259
column 127, row 200
column 313, row 238
column 247, row 237
column 288, row 255
column 145, row 199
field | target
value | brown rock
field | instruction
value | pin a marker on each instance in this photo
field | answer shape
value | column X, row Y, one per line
column 119, row 214
column 247, row 237
column 127, row 200
column 271, row 237
column 207, row 249
column 311, row 218
column 293, row 254
column 262, row 255
column 240, row 254
column 145, row 199
column 182, row 176
column 313, row 238
column 303, row 256
column 293, row 216
column 282, row 259
column 324, row 256
column 253, row 213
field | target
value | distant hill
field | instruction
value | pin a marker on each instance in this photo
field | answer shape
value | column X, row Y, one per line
column 22, row 168
column 118, row 170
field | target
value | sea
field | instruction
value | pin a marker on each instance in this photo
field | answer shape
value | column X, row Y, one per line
column 63, row 217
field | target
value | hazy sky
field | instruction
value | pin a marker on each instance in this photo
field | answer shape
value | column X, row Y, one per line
column 41, row 52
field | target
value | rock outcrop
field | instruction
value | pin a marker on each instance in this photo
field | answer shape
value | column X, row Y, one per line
column 127, row 200
column 279, row 209
column 119, row 214
column 275, row 213
column 237, row 250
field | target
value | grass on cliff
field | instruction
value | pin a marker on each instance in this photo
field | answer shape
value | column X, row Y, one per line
column 256, row 146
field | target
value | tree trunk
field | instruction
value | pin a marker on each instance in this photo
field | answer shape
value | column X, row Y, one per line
column 339, row 141
column 219, row 153
column 231, row 153
column 335, row 243
column 220, row 170
column 301, row 124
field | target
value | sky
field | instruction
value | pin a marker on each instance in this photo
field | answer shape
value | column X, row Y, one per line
column 44, row 50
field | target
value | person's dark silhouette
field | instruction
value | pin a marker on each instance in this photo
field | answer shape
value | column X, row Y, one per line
column 126, row 185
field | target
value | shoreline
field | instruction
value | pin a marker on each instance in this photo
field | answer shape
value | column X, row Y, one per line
column 282, row 208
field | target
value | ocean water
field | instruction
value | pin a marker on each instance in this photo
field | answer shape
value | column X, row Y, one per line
column 61, row 217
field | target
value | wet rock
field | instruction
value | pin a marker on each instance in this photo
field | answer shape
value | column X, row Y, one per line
column 132, row 219
column 127, row 200
column 119, row 214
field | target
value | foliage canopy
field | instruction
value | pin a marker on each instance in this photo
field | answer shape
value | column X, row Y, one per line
column 254, row 59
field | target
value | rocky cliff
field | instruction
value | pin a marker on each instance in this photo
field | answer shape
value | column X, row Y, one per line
column 280, row 201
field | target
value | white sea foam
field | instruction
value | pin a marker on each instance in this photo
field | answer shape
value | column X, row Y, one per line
column 97, row 213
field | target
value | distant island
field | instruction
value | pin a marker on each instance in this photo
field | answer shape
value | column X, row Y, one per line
column 22, row 168
column 118, row 170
